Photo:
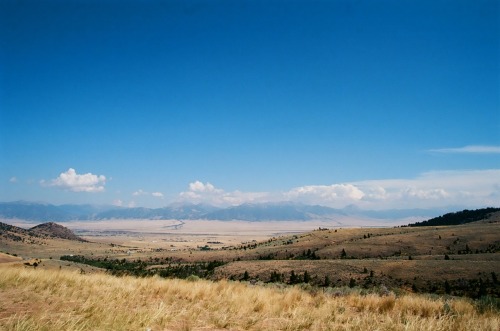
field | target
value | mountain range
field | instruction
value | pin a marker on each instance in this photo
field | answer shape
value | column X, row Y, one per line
column 285, row 211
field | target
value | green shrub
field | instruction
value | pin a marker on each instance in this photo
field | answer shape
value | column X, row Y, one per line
column 488, row 304
column 193, row 278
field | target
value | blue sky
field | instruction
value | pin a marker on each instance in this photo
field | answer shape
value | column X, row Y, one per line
column 380, row 104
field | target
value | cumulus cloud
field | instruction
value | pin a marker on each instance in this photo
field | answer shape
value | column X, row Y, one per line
column 334, row 191
column 480, row 149
column 141, row 192
column 13, row 180
column 207, row 193
column 429, row 194
column 335, row 195
column 117, row 203
column 198, row 186
column 72, row 181
column 157, row 195
column 374, row 193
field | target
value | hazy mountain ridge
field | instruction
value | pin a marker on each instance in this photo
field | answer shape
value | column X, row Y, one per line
column 284, row 211
column 274, row 212
column 34, row 211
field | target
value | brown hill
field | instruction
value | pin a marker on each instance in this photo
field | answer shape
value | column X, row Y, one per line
column 52, row 229
column 12, row 232
column 6, row 258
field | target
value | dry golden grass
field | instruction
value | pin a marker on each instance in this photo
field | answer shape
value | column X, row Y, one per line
column 5, row 258
column 62, row 300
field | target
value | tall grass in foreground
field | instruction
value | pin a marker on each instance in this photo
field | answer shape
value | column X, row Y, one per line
column 60, row 300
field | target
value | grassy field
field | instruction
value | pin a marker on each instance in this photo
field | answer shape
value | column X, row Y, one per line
column 397, row 278
column 38, row 299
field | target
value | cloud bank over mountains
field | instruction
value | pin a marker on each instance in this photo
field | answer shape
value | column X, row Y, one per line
column 469, row 188
column 434, row 189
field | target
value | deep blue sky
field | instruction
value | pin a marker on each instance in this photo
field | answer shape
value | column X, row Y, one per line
column 251, row 96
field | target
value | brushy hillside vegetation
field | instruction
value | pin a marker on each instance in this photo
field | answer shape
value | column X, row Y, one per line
column 44, row 230
column 37, row 299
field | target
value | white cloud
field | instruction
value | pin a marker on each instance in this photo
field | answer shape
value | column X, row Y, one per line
column 157, row 195
column 335, row 195
column 139, row 192
column 198, row 186
column 425, row 194
column 325, row 194
column 479, row 149
column 117, row 203
column 208, row 194
column 374, row 193
column 72, row 181
column 334, row 191
column 13, row 180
